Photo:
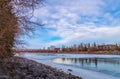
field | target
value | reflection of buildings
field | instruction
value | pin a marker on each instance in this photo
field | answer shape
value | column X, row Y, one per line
column 89, row 62
column 83, row 62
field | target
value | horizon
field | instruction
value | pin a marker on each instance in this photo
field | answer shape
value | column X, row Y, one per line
column 72, row 22
column 64, row 46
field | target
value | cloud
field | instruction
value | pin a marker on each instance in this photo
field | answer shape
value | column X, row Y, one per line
column 63, row 7
column 77, row 21
column 86, row 34
column 90, row 33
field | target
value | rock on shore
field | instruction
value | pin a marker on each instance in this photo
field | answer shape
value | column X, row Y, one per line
column 21, row 68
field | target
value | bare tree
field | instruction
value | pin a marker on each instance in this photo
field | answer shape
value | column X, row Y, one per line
column 15, row 20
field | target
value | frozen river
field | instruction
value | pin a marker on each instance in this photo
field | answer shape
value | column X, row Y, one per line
column 84, row 65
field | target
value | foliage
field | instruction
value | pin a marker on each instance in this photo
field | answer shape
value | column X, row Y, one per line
column 15, row 20
column 91, row 48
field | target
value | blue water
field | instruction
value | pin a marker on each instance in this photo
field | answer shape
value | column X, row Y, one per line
column 110, row 66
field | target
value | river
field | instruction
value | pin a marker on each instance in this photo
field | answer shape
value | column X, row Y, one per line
column 108, row 66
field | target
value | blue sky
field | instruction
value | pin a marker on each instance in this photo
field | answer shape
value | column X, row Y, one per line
column 70, row 22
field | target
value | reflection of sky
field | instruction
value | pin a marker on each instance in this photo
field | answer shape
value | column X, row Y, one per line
column 58, row 60
column 108, row 66
column 73, row 21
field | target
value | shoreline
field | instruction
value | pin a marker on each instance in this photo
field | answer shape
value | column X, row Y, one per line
column 22, row 68
column 82, row 52
column 85, row 74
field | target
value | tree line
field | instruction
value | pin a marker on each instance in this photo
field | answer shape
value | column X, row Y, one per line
column 91, row 47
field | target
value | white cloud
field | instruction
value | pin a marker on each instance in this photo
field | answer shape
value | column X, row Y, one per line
column 79, row 20
column 88, row 33
column 70, row 8
column 81, row 34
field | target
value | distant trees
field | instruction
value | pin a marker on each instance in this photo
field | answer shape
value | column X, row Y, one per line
column 15, row 20
column 91, row 48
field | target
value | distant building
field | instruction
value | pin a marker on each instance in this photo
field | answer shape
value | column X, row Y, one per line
column 107, row 47
column 57, row 50
column 52, row 47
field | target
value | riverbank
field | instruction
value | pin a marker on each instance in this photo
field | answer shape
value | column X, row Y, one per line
column 21, row 68
column 47, row 58
column 82, row 52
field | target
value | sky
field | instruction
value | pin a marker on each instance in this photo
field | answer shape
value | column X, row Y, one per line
column 69, row 22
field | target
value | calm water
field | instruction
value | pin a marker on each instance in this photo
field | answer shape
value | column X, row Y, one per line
column 109, row 66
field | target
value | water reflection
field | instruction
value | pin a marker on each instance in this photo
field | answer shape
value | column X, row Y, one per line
column 90, row 61
column 80, row 61
column 106, row 65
